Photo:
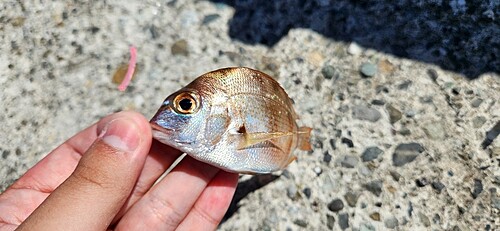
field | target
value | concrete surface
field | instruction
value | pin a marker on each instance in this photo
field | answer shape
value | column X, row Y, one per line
column 404, row 144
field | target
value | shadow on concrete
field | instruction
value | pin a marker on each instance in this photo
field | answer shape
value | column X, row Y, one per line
column 246, row 187
column 461, row 38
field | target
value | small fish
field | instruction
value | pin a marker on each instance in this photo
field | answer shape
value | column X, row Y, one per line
column 238, row 119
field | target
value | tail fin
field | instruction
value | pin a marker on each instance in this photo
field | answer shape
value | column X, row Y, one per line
column 304, row 134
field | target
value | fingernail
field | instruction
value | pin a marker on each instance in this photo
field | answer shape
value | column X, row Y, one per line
column 122, row 134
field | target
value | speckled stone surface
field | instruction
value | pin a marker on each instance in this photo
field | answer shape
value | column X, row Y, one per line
column 411, row 146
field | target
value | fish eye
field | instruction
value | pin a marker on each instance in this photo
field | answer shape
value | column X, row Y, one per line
column 186, row 103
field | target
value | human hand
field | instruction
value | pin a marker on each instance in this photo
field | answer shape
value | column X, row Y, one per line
column 99, row 182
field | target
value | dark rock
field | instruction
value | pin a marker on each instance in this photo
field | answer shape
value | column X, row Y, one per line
column 344, row 221
column 374, row 187
column 438, row 186
column 180, row 47
column 307, row 192
column 300, row 222
column 327, row 157
column 330, row 221
column 5, row 154
column 478, row 188
column 371, row 153
column 406, row 153
column 332, row 144
column 394, row 114
column 368, row 69
column 377, row 102
column 432, row 74
column 422, row 182
column 349, row 162
column 378, row 204
column 375, row 216
column 347, row 142
column 366, row 113
column 336, row 205
column 351, row 198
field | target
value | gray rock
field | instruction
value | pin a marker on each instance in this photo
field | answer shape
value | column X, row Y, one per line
column 374, row 187
column 404, row 131
column 435, row 131
column 368, row 69
column 336, row 205
column 180, row 47
column 424, row 219
column 291, row 191
column 330, row 221
column 344, row 221
column 365, row 113
column 406, row 153
column 476, row 102
column 438, row 186
column 391, row 222
column 395, row 175
column 349, row 161
column 478, row 188
column 495, row 200
column 394, row 114
column 329, row 72
column 367, row 227
column 210, row 18
column 478, row 121
column 351, row 198
column 371, row 153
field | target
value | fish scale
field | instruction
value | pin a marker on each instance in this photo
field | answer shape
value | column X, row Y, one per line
column 238, row 119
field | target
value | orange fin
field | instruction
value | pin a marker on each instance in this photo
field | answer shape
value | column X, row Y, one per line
column 304, row 136
column 249, row 139
column 291, row 160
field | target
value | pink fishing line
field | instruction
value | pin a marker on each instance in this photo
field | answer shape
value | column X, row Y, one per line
column 130, row 70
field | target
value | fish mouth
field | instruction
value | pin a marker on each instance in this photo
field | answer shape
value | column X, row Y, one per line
column 157, row 127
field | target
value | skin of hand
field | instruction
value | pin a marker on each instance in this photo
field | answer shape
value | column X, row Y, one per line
column 103, row 178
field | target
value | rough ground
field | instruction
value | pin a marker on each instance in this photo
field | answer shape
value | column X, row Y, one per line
column 411, row 144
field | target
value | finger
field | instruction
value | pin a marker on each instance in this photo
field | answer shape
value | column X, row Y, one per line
column 52, row 170
column 101, row 182
column 39, row 181
column 169, row 201
column 210, row 208
column 160, row 158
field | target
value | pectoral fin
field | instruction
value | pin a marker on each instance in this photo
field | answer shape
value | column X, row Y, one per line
column 249, row 139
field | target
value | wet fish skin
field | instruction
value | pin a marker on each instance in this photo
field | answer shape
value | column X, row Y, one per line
column 238, row 119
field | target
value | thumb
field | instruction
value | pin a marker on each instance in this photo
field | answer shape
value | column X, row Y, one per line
column 102, row 181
